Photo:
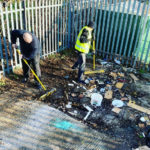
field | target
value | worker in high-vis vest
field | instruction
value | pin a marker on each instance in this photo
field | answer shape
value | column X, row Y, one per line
column 82, row 46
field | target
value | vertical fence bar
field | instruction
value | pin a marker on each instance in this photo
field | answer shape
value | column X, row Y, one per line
column 129, row 30
column 1, row 56
column 50, row 45
column 144, row 43
column 36, row 20
column 92, row 18
column 80, row 20
column 116, row 26
column 12, row 18
column 138, row 33
column 120, row 28
column 17, row 27
column 4, row 37
column 96, row 21
column 125, row 28
column 96, row 14
column 29, row 21
column 140, row 39
column 16, row 16
column 56, row 26
column 63, row 28
column 67, row 18
column 107, row 26
column 20, row 7
column 46, row 28
column 111, row 28
column 147, row 55
column 73, row 21
column 134, row 29
column 12, row 27
column 9, row 40
column 89, row 7
column 43, row 29
column 99, row 25
column 69, row 24
column 40, row 25
column 103, row 25
column 76, row 33
column 52, row 28
column 32, row 8
column 84, row 14
column 24, row 14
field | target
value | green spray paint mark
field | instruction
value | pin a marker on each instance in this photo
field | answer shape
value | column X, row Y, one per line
column 64, row 125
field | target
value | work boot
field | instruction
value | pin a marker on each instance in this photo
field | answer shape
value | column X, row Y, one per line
column 24, row 80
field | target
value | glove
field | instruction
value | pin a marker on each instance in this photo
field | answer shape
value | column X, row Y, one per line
column 23, row 57
column 93, row 53
column 15, row 46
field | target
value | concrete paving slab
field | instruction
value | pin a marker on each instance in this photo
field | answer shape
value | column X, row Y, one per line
column 32, row 125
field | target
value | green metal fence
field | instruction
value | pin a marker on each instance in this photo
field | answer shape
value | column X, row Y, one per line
column 122, row 28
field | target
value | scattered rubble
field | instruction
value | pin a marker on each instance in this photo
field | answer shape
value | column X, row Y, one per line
column 114, row 96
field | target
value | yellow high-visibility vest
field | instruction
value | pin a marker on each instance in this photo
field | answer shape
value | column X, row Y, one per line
column 84, row 47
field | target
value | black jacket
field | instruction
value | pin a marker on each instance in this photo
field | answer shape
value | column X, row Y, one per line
column 27, row 50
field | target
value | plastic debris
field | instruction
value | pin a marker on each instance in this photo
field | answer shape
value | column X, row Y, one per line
column 117, row 103
column 117, row 61
column 69, row 105
column 96, row 99
column 89, row 112
column 102, row 90
column 70, row 84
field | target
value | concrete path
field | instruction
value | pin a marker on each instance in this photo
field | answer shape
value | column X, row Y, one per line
column 32, row 125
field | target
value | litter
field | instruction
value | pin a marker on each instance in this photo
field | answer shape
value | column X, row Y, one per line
column 117, row 103
column 69, row 105
column 89, row 111
column 96, row 99
column 116, row 110
column 108, row 94
column 117, row 61
column 70, row 84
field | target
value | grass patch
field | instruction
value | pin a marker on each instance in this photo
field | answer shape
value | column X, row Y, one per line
column 142, row 71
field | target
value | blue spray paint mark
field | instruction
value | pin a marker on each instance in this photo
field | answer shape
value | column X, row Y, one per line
column 64, row 125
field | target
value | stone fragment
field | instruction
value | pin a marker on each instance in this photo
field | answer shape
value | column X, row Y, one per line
column 133, row 77
column 119, row 85
column 108, row 94
column 116, row 110
column 113, row 74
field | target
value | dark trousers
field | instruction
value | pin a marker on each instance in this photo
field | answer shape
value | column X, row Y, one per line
column 36, row 67
column 81, row 63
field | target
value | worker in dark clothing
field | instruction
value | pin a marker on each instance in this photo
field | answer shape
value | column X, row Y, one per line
column 30, row 50
column 83, row 45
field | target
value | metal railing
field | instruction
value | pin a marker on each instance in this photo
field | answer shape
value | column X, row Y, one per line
column 122, row 29
column 47, row 19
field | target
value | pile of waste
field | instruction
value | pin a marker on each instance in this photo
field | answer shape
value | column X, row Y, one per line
column 114, row 98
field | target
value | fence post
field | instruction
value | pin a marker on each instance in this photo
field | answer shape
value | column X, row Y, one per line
column 69, row 25
column 23, row 14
